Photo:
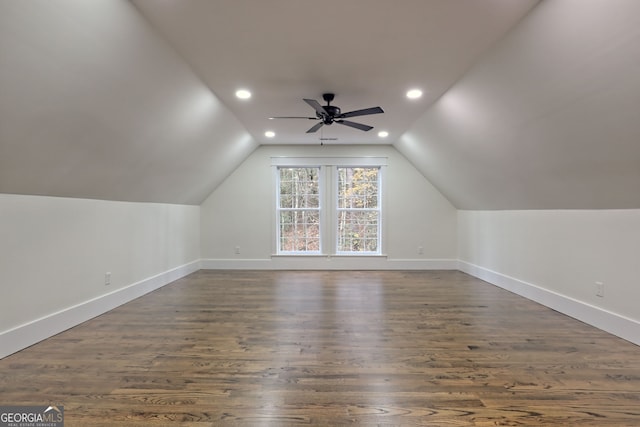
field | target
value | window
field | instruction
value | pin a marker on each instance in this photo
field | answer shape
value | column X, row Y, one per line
column 328, row 206
column 358, row 210
column 299, row 210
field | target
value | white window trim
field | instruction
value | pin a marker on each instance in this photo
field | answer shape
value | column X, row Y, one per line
column 335, row 209
column 328, row 202
column 329, row 161
column 320, row 209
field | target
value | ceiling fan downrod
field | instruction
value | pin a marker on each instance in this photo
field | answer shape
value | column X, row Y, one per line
column 332, row 111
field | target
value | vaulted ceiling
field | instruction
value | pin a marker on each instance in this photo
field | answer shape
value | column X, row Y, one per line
column 526, row 104
column 547, row 119
column 367, row 52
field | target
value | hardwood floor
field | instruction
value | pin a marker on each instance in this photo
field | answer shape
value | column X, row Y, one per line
column 279, row 348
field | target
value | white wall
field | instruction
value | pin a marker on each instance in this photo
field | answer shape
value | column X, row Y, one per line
column 545, row 119
column 54, row 253
column 96, row 104
column 240, row 213
column 556, row 258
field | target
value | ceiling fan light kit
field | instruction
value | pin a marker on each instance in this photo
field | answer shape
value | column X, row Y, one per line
column 329, row 114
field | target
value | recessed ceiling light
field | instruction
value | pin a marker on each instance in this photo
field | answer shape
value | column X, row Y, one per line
column 414, row 94
column 243, row 94
column 269, row 134
column 383, row 134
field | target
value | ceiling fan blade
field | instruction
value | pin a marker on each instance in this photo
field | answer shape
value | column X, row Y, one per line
column 316, row 106
column 315, row 127
column 364, row 112
column 293, row 117
column 354, row 125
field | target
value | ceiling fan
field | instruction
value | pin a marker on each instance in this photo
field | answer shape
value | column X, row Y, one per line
column 329, row 114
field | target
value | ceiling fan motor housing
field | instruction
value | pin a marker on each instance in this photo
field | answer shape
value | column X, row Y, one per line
column 332, row 112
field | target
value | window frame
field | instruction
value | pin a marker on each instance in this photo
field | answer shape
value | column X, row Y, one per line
column 337, row 209
column 280, row 209
column 328, row 200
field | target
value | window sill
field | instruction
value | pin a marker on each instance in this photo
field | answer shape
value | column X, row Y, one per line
column 329, row 255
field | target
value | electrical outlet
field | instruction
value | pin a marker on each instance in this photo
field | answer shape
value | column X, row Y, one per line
column 599, row 289
column 420, row 250
column 107, row 278
column 237, row 250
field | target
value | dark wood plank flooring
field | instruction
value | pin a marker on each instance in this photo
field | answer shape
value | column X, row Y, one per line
column 280, row 348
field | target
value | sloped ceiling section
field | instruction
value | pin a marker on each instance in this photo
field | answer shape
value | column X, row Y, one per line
column 548, row 119
column 95, row 105
column 367, row 52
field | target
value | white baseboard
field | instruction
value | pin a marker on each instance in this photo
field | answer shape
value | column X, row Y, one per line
column 30, row 333
column 612, row 323
column 329, row 263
